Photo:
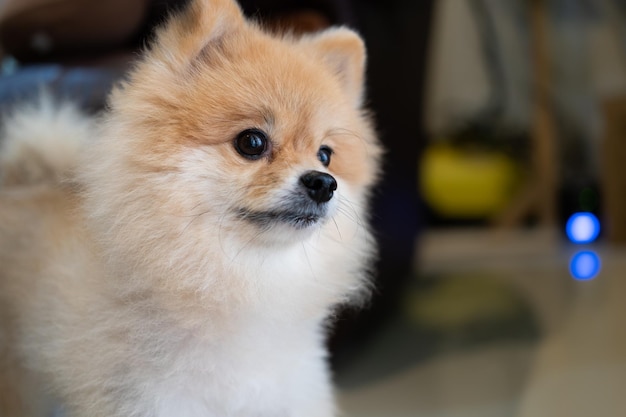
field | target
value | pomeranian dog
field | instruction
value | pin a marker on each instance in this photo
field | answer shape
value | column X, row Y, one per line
column 180, row 255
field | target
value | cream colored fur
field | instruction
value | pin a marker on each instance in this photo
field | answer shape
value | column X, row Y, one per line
column 130, row 283
column 42, row 141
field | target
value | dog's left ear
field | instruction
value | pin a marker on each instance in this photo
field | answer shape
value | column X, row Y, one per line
column 344, row 52
column 201, row 24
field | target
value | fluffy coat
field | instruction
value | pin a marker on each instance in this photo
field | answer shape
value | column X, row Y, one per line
column 135, row 279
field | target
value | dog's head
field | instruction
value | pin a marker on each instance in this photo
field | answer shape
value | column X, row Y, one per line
column 225, row 133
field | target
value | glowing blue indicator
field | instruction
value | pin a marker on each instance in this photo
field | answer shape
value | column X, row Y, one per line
column 582, row 228
column 585, row 265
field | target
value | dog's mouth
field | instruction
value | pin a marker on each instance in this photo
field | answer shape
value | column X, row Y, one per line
column 294, row 218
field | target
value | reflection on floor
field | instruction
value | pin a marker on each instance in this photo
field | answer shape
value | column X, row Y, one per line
column 497, row 326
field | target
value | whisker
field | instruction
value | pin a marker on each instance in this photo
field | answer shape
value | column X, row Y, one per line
column 337, row 228
column 340, row 131
column 195, row 217
column 347, row 208
column 193, row 214
column 219, row 234
column 246, row 245
column 308, row 261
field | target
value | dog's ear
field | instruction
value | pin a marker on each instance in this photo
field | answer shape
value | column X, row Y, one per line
column 344, row 52
column 199, row 25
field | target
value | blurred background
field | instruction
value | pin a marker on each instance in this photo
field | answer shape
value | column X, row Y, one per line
column 502, row 214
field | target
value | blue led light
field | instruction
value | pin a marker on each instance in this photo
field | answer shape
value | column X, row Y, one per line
column 582, row 227
column 585, row 265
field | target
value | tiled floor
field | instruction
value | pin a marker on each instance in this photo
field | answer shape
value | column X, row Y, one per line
column 497, row 326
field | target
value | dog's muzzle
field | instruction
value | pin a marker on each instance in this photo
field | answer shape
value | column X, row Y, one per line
column 306, row 206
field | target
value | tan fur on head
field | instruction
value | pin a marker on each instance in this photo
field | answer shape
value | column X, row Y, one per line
column 182, row 277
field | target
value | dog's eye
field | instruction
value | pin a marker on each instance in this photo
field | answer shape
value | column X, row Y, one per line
column 324, row 155
column 251, row 143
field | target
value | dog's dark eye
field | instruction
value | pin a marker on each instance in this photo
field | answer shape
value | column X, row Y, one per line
column 324, row 155
column 251, row 143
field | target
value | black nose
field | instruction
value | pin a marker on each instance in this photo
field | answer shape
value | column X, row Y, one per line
column 319, row 185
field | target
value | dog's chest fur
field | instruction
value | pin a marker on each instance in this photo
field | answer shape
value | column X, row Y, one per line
column 257, row 369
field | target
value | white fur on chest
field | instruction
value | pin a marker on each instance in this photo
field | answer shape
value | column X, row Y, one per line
column 253, row 373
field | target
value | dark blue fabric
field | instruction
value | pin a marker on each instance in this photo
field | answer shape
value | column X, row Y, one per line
column 88, row 87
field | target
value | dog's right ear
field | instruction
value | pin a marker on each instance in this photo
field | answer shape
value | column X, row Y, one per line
column 200, row 24
column 343, row 51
